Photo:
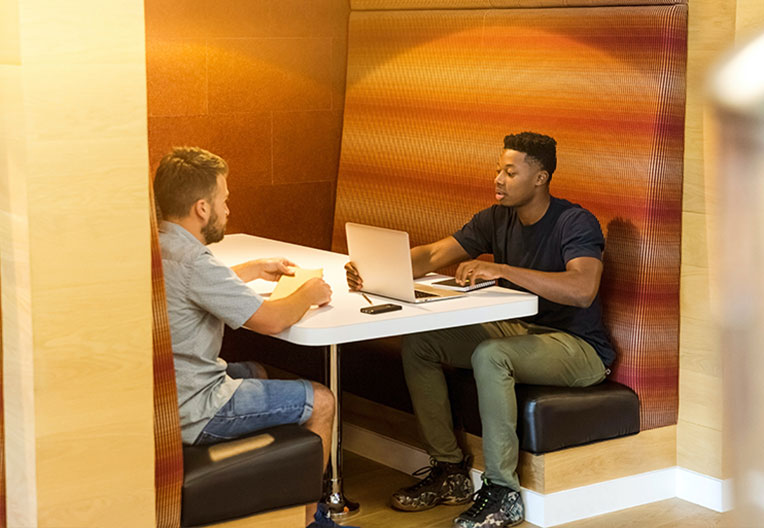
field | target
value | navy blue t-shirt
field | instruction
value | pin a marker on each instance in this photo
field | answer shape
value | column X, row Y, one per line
column 566, row 231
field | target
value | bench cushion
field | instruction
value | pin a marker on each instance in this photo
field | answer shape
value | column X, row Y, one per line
column 558, row 417
column 273, row 468
column 549, row 418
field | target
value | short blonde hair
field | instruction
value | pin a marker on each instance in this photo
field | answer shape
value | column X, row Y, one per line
column 184, row 176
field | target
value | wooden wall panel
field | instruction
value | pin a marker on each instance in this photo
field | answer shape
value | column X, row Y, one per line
column 546, row 473
column 713, row 28
column 75, row 267
column 260, row 83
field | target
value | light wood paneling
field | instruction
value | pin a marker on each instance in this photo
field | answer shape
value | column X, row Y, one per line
column 697, row 407
column 9, row 32
column 696, row 233
column 579, row 466
column 749, row 19
column 700, row 449
column 556, row 471
column 18, row 382
column 698, row 352
column 713, row 28
column 283, row 518
column 75, row 265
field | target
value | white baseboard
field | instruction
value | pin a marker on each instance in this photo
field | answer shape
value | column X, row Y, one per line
column 565, row 506
column 706, row 491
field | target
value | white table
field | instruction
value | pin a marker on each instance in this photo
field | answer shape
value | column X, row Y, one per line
column 342, row 322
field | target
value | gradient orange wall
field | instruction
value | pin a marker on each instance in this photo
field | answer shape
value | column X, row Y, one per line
column 260, row 83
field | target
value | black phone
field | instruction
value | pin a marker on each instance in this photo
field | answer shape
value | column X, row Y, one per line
column 380, row 308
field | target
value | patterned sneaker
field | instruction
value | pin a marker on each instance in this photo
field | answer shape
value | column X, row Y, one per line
column 495, row 506
column 443, row 483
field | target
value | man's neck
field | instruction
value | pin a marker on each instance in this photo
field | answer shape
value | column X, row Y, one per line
column 189, row 225
column 534, row 210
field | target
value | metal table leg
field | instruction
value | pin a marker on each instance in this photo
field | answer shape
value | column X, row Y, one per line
column 339, row 506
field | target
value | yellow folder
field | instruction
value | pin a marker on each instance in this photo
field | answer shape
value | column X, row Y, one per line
column 288, row 284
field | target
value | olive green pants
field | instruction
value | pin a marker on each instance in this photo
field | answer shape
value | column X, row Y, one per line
column 501, row 354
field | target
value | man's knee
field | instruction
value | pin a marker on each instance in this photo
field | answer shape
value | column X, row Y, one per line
column 258, row 370
column 490, row 357
column 323, row 402
column 417, row 347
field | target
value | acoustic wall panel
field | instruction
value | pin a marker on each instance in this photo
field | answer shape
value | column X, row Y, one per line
column 431, row 94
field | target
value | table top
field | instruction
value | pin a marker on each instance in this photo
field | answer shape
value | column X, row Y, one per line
column 341, row 320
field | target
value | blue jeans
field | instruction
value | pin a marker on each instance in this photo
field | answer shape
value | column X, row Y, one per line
column 258, row 404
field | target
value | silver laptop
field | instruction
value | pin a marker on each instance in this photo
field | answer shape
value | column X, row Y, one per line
column 383, row 259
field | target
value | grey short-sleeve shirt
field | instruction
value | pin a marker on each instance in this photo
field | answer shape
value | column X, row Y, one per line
column 203, row 295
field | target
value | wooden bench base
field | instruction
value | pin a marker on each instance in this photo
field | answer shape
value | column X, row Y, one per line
column 284, row 518
column 547, row 473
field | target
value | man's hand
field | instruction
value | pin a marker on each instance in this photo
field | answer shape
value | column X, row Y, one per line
column 269, row 269
column 273, row 268
column 316, row 291
column 354, row 279
column 273, row 317
column 478, row 269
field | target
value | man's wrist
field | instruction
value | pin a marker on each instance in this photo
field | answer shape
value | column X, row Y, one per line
column 505, row 271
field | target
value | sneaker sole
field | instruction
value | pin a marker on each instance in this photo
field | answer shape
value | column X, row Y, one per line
column 516, row 523
column 449, row 502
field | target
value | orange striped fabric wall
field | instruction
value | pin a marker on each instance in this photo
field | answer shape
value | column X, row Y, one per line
column 168, row 449
column 431, row 94
column 358, row 5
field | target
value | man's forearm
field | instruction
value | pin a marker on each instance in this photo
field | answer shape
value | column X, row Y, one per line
column 431, row 257
column 273, row 317
column 570, row 287
column 420, row 261
column 247, row 271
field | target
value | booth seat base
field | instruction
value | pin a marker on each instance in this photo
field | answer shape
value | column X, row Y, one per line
column 274, row 468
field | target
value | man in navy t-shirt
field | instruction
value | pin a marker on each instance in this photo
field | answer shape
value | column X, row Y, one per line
column 541, row 244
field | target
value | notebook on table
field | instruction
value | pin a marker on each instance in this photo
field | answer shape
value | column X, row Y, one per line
column 469, row 285
column 383, row 260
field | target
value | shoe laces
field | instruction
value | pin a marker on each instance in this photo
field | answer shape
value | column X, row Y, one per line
column 429, row 472
column 484, row 499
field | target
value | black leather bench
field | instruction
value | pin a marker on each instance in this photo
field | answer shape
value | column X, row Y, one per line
column 273, row 468
column 549, row 418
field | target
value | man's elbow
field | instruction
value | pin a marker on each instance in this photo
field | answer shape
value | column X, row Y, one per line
column 585, row 299
column 274, row 328
column 265, row 326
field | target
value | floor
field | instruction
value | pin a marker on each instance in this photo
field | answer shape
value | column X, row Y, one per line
column 371, row 483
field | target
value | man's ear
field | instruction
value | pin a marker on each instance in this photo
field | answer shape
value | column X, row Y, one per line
column 201, row 209
column 542, row 177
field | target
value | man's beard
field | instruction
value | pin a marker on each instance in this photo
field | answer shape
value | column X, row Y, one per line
column 212, row 232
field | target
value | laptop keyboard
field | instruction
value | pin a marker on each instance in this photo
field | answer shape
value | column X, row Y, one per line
column 421, row 294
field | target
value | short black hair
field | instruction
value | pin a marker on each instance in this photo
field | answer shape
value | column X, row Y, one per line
column 185, row 175
column 541, row 148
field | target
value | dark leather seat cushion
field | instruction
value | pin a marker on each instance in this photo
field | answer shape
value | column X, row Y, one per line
column 273, row 468
column 553, row 418
column 549, row 418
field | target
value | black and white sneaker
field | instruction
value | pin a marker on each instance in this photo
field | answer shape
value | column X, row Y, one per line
column 495, row 507
column 443, row 483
